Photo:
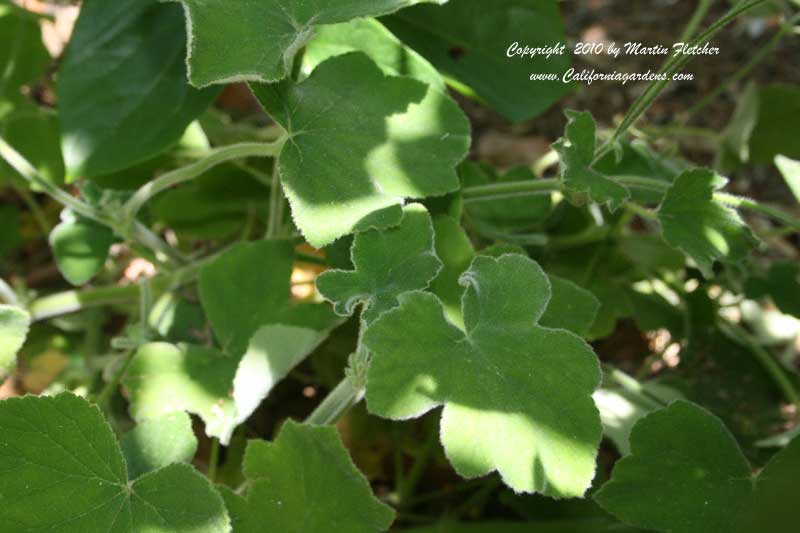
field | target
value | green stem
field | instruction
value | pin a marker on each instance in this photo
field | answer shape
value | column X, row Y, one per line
column 757, row 58
column 346, row 394
column 138, row 231
column 511, row 189
column 275, row 205
column 35, row 209
column 699, row 14
column 75, row 300
column 770, row 365
column 213, row 460
column 674, row 64
column 192, row 171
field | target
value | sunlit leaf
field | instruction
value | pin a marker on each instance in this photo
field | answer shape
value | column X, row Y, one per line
column 516, row 396
column 360, row 142
column 14, row 324
column 157, row 443
column 305, row 482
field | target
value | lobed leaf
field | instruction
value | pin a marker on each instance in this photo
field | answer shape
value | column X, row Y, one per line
column 576, row 150
column 158, row 442
column 61, row 469
column 516, row 395
column 387, row 264
column 686, row 474
column 305, row 482
column 257, row 40
column 704, row 229
column 359, row 143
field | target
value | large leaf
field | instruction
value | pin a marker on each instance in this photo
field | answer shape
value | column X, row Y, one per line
column 387, row 263
column 248, row 287
column 360, row 142
column 14, row 324
column 469, row 43
column 80, row 247
column 305, row 482
column 372, row 38
column 257, row 40
column 62, row 470
column 704, row 229
column 577, row 151
column 686, row 474
column 122, row 89
column 516, row 396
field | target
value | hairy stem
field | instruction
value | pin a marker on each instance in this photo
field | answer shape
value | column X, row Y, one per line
column 337, row 403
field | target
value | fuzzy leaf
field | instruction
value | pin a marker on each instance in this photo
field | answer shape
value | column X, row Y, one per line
column 122, row 90
column 248, row 287
column 157, row 443
column 62, row 470
column 704, row 229
column 305, row 482
column 577, row 149
column 686, row 474
column 257, row 40
column 516, row 396
column 80, row 247
column 372, row 38
column 14, row 324
column 360, row 142
column 387, row 263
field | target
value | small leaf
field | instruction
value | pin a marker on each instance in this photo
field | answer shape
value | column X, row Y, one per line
column 469, row 43
column 305, row 482
column 80, row 247
column 372, row 38
column 122, row 90
column 248, row 287
column 577, row 150
column 686, row 474
column 62, row 470
column 790, row 170
column 387, row 263
column 360, row 142
column 14, row 324
column 267, row 34
column 158, row 442
column 516, row 396
column 701, row 227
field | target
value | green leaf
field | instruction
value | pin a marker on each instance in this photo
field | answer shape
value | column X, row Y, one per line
column 469, row 44
column 257, row 40
column 157, row 443
column 790, row 170
column 62, row 470
column 166, row 378
column 686, row 474
column 34, row 132
column 305, row 482
column 372, row 38
column 387, row 263
column 576, row 150
column 360, row 142
column 10, row 236
column 782, row 284
column 222, row 390
column 248, row 287
column 778, row 105
column 571, row 307
column 122, row 89
column 705, row 230
column 14, row 324
column 455, row 250
column 80, row 247
column 516, row 396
